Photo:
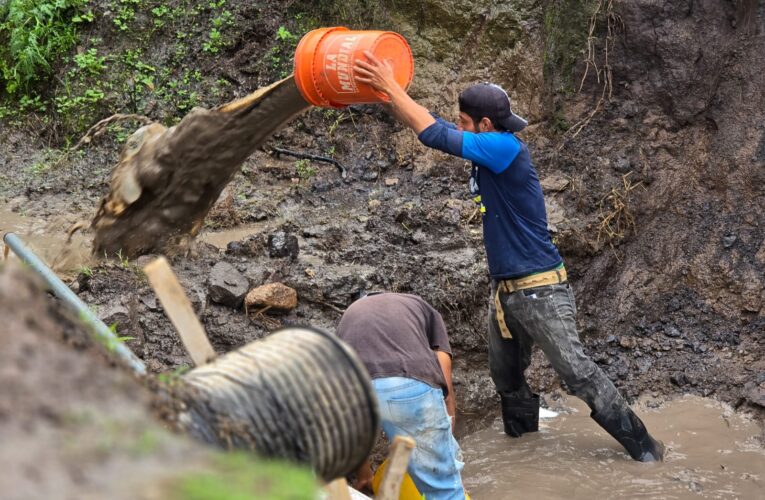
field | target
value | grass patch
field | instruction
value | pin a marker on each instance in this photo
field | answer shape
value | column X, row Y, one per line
column 239, row 477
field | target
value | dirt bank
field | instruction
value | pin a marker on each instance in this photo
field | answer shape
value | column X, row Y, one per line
column 74, row 427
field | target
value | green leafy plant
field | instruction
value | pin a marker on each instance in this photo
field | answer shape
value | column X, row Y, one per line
column 35, row 34
column 90, row 63
column 124, row 261
column 304, row 169
column 159, row 14
column 126, row 13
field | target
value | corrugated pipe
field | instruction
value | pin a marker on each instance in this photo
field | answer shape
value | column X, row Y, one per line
column 101, row 332
column 299, row 394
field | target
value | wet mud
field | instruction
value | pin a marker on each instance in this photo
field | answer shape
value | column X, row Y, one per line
column 167, row 180
column 713, row 452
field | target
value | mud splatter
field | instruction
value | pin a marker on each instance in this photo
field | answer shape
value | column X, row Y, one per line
column 167, row 180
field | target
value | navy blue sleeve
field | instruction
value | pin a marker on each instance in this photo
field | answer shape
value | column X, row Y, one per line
column 443, row 122
column 442, row 137
column 492, row 150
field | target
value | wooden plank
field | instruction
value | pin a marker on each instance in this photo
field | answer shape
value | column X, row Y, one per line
column 178, row 308
column 338, row 490
column 398, row 460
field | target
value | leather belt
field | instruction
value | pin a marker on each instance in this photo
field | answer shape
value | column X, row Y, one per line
column 552, row 277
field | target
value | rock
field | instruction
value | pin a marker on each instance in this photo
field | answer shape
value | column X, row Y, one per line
column 755, row 393
column 679, row 379
column 283, row 244
column 227, row 286
column 150, row 301
column 728, row 240
column 370, row 175
column 627, row 342
column 622, row 165
column 554, row 183
column 391, row 181
column 314, row 231
column 115, row 315
column 556, row 215
column 673, row 332
column 272, row 295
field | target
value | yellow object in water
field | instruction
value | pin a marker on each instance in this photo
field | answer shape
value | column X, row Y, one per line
column 408, row 490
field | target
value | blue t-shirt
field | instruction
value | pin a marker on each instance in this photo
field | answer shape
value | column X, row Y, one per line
column 508, row 190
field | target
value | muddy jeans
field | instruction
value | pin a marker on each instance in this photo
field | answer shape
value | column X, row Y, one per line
column 545, row 315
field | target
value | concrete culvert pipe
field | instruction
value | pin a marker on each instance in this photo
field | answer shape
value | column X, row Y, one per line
column 299, row 394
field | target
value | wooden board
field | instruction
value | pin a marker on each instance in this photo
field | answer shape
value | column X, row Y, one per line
column 398, row 460
column 178, row 308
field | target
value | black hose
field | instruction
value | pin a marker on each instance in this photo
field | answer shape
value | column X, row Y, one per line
column 299, row 394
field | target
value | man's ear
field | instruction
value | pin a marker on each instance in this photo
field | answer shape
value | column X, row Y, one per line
column 485, row 125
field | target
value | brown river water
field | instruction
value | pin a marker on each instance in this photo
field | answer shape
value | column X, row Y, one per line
column 713, row 453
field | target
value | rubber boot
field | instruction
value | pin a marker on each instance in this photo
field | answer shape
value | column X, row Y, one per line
column 628, row 429
column 520, row 415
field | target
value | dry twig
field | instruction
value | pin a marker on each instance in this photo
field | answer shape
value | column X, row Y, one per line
column 615, row 216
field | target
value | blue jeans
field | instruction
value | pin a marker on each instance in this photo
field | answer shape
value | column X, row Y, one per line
column 412, row 408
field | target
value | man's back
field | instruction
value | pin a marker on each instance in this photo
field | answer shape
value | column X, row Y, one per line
column 395, row 336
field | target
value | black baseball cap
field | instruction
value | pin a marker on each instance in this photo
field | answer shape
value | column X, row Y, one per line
column 490, row 100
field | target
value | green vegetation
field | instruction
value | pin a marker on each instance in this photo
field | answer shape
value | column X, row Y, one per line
column 57, row 81
column 239, row 477
column 33, row 35
column 304, row 169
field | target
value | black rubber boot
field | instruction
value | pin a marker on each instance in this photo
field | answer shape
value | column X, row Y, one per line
column 520, row 415
column 628, row 429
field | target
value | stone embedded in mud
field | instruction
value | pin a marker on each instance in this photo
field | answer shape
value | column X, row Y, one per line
column 729, row 240
column 117, row 315
column 370, row 175
column 227, row 285
column 755, row 393
column 283, row 244
column 554, row 183
column 273, row 296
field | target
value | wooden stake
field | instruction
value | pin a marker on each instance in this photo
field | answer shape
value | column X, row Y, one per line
column 338, row 490
column 398, row 460
column 179, row 310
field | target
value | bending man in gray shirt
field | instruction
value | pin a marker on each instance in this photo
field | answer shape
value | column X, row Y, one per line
column 402, row 342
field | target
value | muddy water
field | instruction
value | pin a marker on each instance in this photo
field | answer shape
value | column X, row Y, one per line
column 48, row 239
column 713, row 453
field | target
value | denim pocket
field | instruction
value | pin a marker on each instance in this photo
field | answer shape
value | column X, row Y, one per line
column 419, row 413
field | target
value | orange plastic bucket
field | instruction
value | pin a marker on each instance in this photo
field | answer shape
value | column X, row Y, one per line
column 324, row 61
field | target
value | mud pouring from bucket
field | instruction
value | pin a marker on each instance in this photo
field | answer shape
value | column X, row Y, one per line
column 168, row 179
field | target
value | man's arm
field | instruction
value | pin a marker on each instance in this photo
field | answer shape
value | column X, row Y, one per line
column 364, row 477
column 445, row 360
column 379, row 74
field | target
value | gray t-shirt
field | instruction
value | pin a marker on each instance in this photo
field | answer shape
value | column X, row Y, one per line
column 395, row 335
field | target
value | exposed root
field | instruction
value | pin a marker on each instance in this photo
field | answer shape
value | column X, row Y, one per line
column 615, row 216
column 603, row 74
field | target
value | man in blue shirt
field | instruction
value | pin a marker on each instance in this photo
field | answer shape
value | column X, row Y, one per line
column 532, row 301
